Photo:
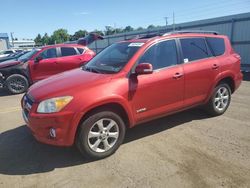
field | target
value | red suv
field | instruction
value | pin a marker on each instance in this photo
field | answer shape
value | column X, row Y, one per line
column 16, row 75
column 131, row 82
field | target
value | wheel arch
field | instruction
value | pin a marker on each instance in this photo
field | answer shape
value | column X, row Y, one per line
column 228, row 80
column 17, row 71
column 116, row 107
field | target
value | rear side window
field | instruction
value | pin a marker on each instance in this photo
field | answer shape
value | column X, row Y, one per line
column 217, row 45
column 80, row 50
column 161, row 55
column 68, row 51
column 194, row 49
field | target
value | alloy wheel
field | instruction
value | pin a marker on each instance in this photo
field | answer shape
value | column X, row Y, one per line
column 103, row 135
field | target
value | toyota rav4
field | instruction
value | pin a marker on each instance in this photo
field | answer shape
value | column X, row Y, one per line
column 131, row 82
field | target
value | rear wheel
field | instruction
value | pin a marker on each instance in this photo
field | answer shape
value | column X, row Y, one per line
column 220, row 100
column 100, row 135
column 17, row 83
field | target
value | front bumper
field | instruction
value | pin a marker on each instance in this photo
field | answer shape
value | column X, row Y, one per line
column 42, row 124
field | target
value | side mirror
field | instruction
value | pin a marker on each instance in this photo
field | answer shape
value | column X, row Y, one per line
column 144, row 68
column 37, row 59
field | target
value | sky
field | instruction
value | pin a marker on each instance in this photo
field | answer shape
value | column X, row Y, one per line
column 27, row 18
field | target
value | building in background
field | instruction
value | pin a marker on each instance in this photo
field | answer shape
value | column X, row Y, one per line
column 4, row 41
column 23, row 44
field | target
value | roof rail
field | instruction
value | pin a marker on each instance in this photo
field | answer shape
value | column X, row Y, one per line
column 191, row 31
column 144, row 36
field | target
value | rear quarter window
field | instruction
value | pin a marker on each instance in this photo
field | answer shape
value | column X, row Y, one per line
column 80, row 50
column 217, row 45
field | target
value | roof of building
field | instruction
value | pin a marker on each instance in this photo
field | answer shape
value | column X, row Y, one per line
column 4, row 35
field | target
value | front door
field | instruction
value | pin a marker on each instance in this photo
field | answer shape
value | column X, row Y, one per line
column 46, row 67
column 162, row 91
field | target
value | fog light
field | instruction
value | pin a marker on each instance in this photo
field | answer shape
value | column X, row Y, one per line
column 52, row 132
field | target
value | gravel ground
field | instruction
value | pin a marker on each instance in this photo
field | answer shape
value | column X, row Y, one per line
column 187, row 149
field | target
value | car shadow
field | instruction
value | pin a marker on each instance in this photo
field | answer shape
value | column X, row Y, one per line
column 246, row 76
column 4, row 92
column 21, row 154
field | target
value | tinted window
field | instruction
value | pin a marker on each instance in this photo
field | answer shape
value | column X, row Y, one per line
column 49, row 53
column 217, row 45
column 161, row 55
column 194, row 49
column 67, row 51
column 80, row 50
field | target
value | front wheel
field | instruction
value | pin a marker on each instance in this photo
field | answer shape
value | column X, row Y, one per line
column 17, row 84
column 100, row 135
column 220, row 100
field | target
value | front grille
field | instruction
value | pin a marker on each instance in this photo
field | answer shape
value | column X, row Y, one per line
column 27, row 104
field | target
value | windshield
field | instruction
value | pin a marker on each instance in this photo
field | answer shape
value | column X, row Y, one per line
column 113, row 58
column 28, row 55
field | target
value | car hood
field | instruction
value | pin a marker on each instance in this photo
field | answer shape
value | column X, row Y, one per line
column 66, row 83
column 9, row 63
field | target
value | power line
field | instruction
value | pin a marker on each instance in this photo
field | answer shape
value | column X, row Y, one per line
column 198, row 11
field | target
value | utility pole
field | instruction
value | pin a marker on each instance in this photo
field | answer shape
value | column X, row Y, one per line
column 166, row 20
column 12, row 38
column 115, row 27
column 173, row 22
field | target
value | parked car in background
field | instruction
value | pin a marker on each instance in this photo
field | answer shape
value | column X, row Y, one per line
column 6, row 53
column 15, row 56
column 18, row 75
column 129, row 83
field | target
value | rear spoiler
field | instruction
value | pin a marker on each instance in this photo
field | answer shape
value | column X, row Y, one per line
column 90, row 38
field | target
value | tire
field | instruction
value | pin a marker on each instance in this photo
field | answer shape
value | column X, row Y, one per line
column 220, row 100
column 96, row 138
column 17, row 84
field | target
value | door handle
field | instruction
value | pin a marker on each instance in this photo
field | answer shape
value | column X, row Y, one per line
column 215, row 66
column 177, row 75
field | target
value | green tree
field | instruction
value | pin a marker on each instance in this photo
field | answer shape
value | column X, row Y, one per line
column 38, row 39
column 118, row 30
column 59, row 36
column 109, row 30
column 45, row 39
column 78, row 34
column 99, row 32
column 151, row 27
column 128, row 29
column 139, row 28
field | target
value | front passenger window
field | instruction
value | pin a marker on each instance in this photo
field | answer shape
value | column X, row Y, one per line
column 49, row 53
column 161, row 55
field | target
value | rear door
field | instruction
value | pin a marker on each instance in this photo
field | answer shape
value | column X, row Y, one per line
column 69, row 58
column 200, row 69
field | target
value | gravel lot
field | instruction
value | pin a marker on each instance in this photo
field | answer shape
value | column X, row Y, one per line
column 187, row 149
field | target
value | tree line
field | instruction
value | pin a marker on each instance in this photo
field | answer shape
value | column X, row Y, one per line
column 62, row 35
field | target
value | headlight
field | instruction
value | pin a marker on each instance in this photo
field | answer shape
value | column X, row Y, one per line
column 54, row 104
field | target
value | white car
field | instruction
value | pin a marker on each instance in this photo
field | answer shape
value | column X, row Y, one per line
column 6, row 53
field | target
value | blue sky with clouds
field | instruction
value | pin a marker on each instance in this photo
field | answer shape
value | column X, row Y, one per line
column 27, row 18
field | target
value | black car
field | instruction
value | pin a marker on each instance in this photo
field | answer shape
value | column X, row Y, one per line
column 13, row 56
